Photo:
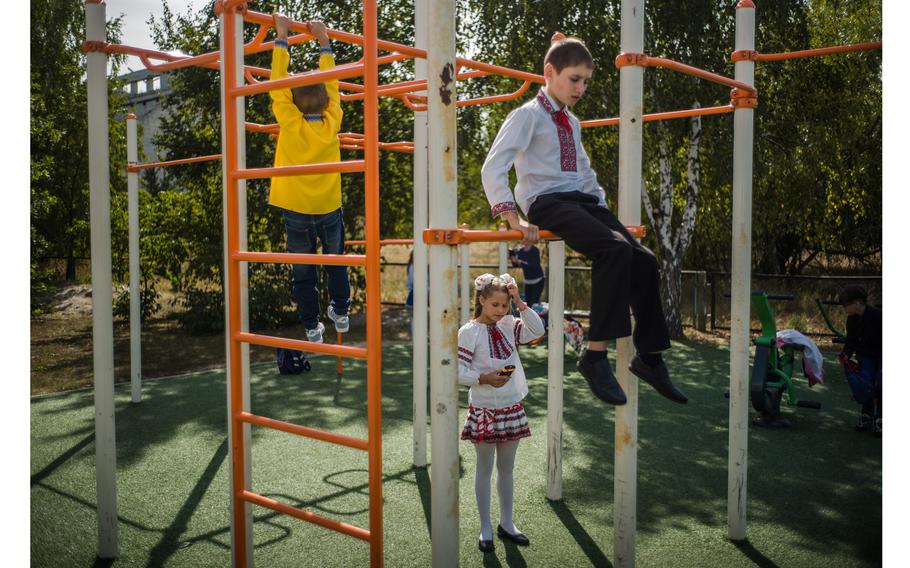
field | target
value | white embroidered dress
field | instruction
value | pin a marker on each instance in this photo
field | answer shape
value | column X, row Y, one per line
column 488, row 347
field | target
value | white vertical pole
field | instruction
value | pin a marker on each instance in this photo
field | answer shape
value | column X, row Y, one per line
column 555, row 356
column 419, row 309
column 132, row 181
column 737, row 462
column 443, row 281
column 625, row 482
column 466, row 289
column 244, row 296
column 503, row 252
column 102, row 294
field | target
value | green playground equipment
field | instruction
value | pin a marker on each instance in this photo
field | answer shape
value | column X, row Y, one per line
column 839, row 336
column 772, row 369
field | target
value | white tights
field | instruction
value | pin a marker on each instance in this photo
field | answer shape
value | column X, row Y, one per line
column 505, row 484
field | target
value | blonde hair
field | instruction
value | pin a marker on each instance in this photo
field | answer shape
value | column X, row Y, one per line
column 497, row 284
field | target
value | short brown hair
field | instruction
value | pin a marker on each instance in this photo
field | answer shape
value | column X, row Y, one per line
column 311, row 99
column 568, row 52
column 851, row 294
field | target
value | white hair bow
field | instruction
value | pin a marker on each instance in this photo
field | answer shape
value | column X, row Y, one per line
column 482, row 281
column 507, row 279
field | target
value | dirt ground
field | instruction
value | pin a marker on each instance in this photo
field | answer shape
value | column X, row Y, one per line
column 61, row 343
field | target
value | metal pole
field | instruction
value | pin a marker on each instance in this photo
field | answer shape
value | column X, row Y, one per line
column 737, row 463
column 421, row 195
column 466, row 295
column 102, row 295
column 373, row 283
column 234, row 152
column 555, row 361
column 625, row 482
column 443, row 293
column 503, row 252
column 132, row 182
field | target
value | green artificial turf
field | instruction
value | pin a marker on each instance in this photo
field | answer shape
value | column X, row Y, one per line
column 815, row 490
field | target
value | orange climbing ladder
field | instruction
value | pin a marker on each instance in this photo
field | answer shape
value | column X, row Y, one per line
column 233, row 13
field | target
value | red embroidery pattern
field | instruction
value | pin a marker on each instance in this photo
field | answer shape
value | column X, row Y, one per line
column 499, row 345
column 465, row 355
column 567, row 159
column 501, row 208
column 518, row 326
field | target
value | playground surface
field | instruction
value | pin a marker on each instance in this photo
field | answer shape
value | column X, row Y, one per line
column 815, row 490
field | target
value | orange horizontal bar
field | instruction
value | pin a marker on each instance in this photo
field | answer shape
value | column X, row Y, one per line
column 267, row 128
column 696, row 72
column 301, row 170
column 495, row 98
column 299, row 80
column 383, row 242
column 137, row 167
column 662, row 115
column 280, row 507
column 301, row 258
column 313, row 433
column 456, row 236
column 820, row 51
column 262, row 18
column 301, row 345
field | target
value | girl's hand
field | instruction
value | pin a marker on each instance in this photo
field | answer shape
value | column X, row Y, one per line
column 512, row 287
column 493, row 379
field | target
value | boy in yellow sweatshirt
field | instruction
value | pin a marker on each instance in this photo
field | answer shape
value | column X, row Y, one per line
column 310, row 119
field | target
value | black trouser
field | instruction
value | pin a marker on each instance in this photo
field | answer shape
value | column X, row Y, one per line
column 533, row 292
column 623, row 274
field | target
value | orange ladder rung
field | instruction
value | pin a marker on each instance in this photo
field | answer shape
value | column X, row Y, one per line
column 331, row 437
column 280, row 507
column 344, row 166
column 301, row 258
column 301, row 345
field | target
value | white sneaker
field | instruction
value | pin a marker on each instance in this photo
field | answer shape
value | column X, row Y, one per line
column 315, row 335
column 342, row 323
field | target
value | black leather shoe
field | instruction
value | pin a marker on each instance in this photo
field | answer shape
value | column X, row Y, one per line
column 658, row 377
column 601, row 380
column 485, row 545
column 519, row 539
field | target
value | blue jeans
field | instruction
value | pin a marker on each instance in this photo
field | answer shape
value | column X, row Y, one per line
column 303, row 232
column 871, row 367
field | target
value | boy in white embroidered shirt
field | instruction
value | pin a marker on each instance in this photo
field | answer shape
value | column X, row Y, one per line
column 557, row 190
column 488, row 363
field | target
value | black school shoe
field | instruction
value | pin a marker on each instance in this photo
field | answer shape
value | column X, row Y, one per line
column 601, row 380
column 519, row 539
column 485, row 545
column 658, row 377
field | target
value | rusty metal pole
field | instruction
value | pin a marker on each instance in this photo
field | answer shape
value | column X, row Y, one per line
column 443, row 184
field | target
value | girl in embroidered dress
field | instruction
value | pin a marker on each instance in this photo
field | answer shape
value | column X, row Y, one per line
column 496, row 419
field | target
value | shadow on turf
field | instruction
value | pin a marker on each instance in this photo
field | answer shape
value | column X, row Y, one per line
column 754, row 555
column 585, row 542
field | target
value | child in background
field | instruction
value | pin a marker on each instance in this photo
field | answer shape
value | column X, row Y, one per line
column 488, row 363
column 864, row 338
column 310, row 119
column 527, row 258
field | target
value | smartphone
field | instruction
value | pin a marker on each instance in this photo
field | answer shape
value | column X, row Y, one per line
column 507, row 371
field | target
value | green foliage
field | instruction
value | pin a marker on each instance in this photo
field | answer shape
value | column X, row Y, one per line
column 59, row 142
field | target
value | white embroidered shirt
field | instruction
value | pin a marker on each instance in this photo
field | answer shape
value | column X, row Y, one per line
column 546, row 158
column 487, row 347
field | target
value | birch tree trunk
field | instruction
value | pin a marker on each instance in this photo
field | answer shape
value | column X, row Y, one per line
column 674, row 238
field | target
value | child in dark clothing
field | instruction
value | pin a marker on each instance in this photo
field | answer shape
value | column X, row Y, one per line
column 864, row 338
column 528, row 259
column 557, row 190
